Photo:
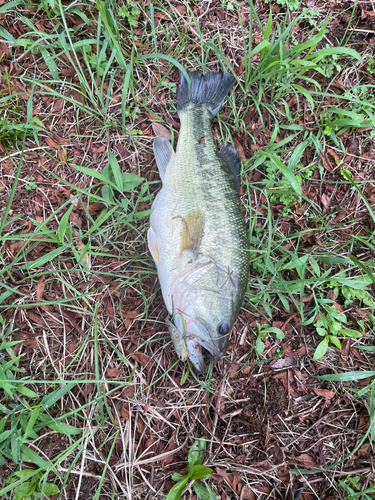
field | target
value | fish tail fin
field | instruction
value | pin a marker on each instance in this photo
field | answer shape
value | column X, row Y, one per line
column 209, row 89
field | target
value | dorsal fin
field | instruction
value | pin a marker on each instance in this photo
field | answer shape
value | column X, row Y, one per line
column 231, row 158
column 163, row 155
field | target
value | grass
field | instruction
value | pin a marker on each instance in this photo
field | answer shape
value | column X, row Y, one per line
column 94, row 400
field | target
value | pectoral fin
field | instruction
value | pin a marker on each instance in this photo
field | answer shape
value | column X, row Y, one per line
column 153, row 245
column 192, row 231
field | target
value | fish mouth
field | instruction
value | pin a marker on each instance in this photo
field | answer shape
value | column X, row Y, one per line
column 198, row 335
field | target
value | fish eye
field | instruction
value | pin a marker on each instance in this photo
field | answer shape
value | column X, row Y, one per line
column 223, row 328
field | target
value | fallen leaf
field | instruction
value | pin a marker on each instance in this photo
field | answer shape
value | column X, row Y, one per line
column 283, row 363
column 305, row 460
column 326, row 201
column 40, row 287
column 369, row 155
column 246, row 493
column 109, row 309
column 345, row 351
column 141, row 358
column 236, row 480
column 324, row 393
column 125, row 411
column 284, row 475
column 161, row 131
column 128, row 391
column 326, row 163
column 278, row 455
column 62, row 155
column 113, row 372
column 222, row 473
column 240, row 149
column 51, row 143
column 130, row 314
column 352, row 146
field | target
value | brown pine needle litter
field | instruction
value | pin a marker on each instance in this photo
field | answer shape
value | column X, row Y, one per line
column 94, row 403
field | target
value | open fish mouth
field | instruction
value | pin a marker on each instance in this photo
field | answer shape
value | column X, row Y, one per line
column 189, row 339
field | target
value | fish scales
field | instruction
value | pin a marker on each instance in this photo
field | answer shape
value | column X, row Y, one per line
column 198, row 236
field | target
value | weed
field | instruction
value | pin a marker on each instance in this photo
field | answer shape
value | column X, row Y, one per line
column 227, row 5
column 352, row 488
column 130, row 12
column 31, row 185
column 288, row 4
column 263, row 331
column 195, row 471
column 310, row 15
column 36, row 488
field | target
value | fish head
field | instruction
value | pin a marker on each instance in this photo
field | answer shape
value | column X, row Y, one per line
column 202, row 318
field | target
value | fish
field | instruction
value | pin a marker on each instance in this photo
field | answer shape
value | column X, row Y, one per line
column 197, row 236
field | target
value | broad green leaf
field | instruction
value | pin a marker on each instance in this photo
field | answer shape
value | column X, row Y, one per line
column 296, row 262
column 335, row 341
column 59, row 427
column 203, row 492
column 51, row 489
column 297, row 154
column 314, row 265
column 177, row 477
column 176, row 490
column 6, row 294
column 51, row 399
column 25, row 474
column 30, row 424
column 348, row 376
column 321, row 349
column 49, row 60
column 117, row 174
column 4, row 435
column 305, row 93
column 259, row 345
column 330, row 51
column 199, row 471
column 64, row 223
column 273, row 329
column 23, row 491
column 130, row 181
column 197, row 453
column 9, row 5
column 93, row 173
column 351, row 333
column 28, row 455
column 287, row 174
column 44, row 259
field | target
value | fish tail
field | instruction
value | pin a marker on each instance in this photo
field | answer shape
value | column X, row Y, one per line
column 209, row 89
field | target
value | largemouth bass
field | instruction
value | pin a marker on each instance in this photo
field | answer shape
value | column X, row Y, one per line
column 197, row 235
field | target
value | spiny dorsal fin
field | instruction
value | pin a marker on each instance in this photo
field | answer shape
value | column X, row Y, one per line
column 163, row 154
column 231, row 158
column 192, row 231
